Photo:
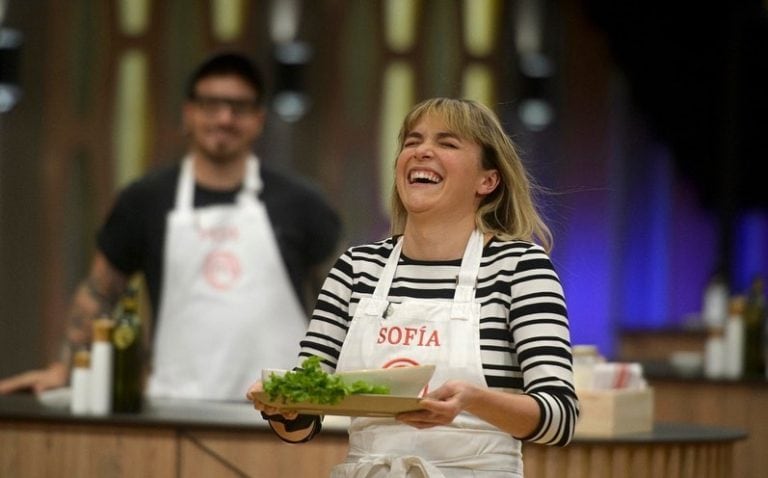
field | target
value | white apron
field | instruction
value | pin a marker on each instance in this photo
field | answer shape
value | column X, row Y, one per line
column 448, row 332
column 227, row 306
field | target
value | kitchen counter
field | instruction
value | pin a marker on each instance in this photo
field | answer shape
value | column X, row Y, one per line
column 202, row 439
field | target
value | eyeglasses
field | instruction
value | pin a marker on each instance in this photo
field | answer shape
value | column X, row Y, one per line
column 214, row 104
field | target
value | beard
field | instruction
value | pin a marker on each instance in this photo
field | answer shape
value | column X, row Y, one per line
column 222, row 153
column 224, row 148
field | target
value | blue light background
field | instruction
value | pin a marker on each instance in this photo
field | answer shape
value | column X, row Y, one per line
column 637, row 253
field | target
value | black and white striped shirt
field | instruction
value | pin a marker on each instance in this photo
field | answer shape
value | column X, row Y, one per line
column 524, row 334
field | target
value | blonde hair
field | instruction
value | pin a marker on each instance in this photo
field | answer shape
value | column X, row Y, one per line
column 509, row 212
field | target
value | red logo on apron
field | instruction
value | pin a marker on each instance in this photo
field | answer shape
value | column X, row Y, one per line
column 222, row 269
column 406, row 362
column 400, row 362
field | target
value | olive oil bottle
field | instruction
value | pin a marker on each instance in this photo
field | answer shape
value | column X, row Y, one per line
column 128, row 356
column 755, row 313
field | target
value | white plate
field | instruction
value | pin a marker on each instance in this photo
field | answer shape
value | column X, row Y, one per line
column 401, row 381
column 266, row 373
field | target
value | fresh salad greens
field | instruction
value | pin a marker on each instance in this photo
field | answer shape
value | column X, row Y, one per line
column 311, row 384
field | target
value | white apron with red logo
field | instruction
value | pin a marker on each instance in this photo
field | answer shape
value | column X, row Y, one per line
column 422, row 332
column 227, row 306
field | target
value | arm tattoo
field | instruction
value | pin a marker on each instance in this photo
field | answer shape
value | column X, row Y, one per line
column 105, row 301
column 93, row 304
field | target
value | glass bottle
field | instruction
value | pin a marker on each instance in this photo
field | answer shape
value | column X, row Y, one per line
column 714, row 354
column 585, row 357
column 714, row 308
column 128, row 361
column 754, row 322
column 733, row 365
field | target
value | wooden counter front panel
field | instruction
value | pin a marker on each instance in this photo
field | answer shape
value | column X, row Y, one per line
column 29, row 449
column 696, row 460
column 45, row 450
column 223, row 455
column 738, row 405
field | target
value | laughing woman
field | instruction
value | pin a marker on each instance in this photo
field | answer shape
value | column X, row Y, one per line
column 468, row 263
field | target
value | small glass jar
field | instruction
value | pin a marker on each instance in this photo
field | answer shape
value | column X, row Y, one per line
column 585, row 357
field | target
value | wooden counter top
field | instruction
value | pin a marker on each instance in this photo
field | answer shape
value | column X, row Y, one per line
column 200, row 415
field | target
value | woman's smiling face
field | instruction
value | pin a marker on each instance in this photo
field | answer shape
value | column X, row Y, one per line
column 439, row 172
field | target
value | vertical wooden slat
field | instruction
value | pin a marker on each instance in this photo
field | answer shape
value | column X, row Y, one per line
column 532, row 457
column 556, row 463
column 600, row 462
column 674, row 461
column 578, row 464
column 689, row 461
column 658, row 461
column 639, row 462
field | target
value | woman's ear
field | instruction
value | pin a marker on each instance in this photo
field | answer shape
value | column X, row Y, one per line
column 489, row 182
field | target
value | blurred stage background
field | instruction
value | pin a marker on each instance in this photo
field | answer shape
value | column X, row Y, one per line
column 647, row 122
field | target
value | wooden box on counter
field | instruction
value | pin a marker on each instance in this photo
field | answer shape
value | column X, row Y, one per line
column 610, row 413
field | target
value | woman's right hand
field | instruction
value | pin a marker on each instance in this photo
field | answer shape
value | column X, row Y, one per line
column 263, row 407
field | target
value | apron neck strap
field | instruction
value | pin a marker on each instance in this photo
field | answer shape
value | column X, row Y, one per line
column 466, row 282
column 387, row 276
column 185, row 187
column 378, row 303
column 252, row 184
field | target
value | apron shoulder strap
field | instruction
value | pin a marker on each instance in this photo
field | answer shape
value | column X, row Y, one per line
column 185, row 186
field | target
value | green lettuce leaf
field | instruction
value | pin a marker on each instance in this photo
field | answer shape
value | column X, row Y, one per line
column 311, row 384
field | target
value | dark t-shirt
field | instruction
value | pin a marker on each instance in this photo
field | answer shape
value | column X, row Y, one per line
column 307, row 229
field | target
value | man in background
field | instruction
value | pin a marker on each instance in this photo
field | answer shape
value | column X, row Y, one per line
column 226, row 246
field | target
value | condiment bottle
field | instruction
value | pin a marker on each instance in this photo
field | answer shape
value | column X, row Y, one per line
column 714, row 307
column 765, row 349
column 714, row 353
column 585, row 357
column 81, row 382
column 754, row 320
column 733, row 359
column 128, row 364
column 101, row 367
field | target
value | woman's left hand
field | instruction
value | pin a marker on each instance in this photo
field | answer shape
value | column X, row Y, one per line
column 442, row 405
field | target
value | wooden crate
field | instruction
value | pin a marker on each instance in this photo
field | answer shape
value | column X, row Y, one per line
column 608, row 413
